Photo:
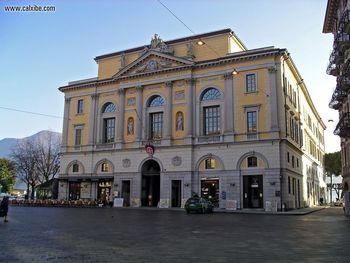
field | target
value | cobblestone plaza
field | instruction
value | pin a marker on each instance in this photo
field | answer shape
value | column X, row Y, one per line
column 38, row 234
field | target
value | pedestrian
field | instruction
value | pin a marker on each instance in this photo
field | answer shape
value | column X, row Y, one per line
column 4, row 207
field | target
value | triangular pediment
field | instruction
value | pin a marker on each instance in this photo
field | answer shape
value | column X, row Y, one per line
column 153, row 61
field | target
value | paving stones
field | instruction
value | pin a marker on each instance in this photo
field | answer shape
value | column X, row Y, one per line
column 40, row 234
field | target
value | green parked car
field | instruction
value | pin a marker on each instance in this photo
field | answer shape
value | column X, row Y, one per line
column 199, row 205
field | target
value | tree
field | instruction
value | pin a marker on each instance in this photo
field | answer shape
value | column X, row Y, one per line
column 332, row 166
column 47, row 157
column 24, row 157
column 37, row 160
column 332, row 163
column 7, row 175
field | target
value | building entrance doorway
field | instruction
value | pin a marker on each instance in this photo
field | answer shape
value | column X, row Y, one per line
column 150, row 183
column 104, row 191
column 176, row 193
column 74, row 191
column 210, row 190
column 252, row 191
column 126, row 192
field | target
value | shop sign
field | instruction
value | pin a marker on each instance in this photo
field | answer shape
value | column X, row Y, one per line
column 118, row 202
column 223, row 195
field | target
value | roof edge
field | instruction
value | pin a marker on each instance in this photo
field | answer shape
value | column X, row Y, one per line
column 169, row 42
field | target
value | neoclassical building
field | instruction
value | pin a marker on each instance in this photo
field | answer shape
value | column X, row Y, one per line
column 337, row 22
column 200, row 114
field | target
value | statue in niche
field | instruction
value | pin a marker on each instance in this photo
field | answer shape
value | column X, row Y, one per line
column 130, row 126
column 179, row 122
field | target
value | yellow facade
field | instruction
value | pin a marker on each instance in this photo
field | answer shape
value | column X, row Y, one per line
column 216, row 106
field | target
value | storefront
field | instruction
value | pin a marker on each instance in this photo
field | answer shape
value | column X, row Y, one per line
column 210, row 190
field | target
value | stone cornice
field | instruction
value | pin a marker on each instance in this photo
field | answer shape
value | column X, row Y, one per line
column 235, row 57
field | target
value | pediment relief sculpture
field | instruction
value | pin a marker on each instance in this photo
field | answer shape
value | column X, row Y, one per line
column 153, row 64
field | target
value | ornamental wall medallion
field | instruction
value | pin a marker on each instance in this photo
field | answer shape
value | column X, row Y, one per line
column 176, row 161
column 126, row 163
column 131, row 101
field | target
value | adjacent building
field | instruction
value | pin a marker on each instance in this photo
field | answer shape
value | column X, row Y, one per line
column 337, row 22
column 195, row 115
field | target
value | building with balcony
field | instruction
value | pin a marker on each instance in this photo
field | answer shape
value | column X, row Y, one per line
column 200, row 114
column 337, row 22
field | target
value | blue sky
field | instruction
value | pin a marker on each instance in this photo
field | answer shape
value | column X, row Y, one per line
column 41, row 51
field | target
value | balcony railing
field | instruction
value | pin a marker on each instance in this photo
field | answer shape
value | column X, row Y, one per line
column 344, row 22
column 341, row 41
column 336, row 57
column 333, row 69
column 337, row 99
column 343, row 82
column 343, row 126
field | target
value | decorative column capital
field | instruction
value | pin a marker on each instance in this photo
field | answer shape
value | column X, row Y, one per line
column 272, row 69
column 94, row 96
column 191, row 81
column 169, row 84
column 121, row 91
column 67, row 100
column 139, row 88
column 228, row 75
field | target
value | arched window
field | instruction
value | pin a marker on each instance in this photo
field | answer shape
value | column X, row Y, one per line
column 109, row 107
column 75, row 168
column 211, row 112
column 155, row 117
column 156, row 101
column 252, row 161
column 108, row 122
column 211, row 94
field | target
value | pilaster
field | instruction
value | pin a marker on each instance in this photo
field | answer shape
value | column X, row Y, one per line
column 138, row 122
column 228, row 107
column 168, row 114
column 120, row 119
column 92, row 121
column 190, row 116
column 273, row 102
column 65, row 129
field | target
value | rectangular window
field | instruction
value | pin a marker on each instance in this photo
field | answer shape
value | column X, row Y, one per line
column 109, row 130
column 293, row 161
column 250, row 83
column 294, row 185
column 77, row 137
column 211, row 120
column 104, row 167
column 251, row 122
column 288, row 184
column 210, row 163
column 75, row 168
column 297, row 162
column 156, row 125
column 288, row 157
column 252, row 161
column 80, row 106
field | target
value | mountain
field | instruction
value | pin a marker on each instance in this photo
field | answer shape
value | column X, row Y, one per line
column 7, row 144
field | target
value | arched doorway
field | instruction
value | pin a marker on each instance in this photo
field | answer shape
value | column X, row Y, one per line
column 150, row 183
